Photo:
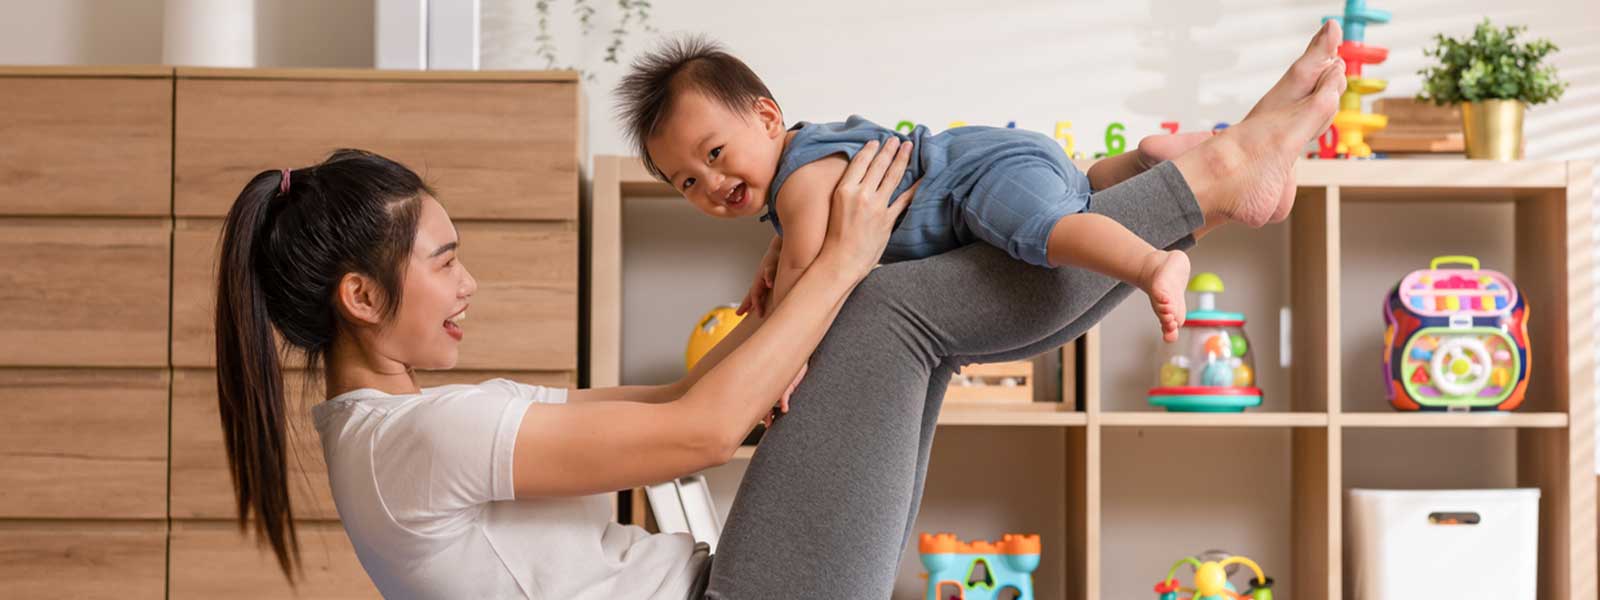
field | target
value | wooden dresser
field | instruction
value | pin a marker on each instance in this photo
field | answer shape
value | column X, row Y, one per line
column 113, row 184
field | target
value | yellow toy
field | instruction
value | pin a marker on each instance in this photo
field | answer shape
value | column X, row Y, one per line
column 1211, row 581
column 1350, row 124
column 715, row 325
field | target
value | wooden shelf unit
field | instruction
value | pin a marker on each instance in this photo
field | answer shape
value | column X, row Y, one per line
column 1555, row 255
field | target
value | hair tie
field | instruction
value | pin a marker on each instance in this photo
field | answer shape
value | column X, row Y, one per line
column 283, row 184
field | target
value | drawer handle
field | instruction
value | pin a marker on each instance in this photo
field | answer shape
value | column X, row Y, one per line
column 1454, row 518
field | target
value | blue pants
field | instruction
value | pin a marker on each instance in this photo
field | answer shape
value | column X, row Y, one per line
column 1015, row 204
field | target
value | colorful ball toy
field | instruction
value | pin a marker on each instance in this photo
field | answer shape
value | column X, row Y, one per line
column 1211, row 581
column 1211, row 367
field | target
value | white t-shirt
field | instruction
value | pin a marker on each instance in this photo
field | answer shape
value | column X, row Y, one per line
column 423, row 485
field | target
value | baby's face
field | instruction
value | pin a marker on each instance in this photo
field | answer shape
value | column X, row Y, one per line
column 720, row 160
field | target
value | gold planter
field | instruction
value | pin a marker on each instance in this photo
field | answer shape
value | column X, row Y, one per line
column 1493, row 129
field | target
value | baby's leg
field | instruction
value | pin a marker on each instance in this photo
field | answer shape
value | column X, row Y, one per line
column 1104, row 246
column 1033, row 208
column 1152, row 151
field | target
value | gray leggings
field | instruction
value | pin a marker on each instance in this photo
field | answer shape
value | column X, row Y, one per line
column 828, row 503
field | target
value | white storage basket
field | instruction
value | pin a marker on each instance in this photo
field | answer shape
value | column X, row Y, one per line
column 1460, row 544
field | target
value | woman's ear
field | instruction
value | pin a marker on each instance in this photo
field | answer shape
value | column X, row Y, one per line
column 359, row 299
column 771, row 117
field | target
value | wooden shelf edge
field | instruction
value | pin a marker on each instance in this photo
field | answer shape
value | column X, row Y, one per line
column 112, row 71
column 376, row 74
column 1443, row 173
column 1552, row 420
column 1029, row 414
column 1195, row 420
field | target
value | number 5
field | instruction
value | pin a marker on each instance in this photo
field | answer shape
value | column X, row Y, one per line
column 1064, row 135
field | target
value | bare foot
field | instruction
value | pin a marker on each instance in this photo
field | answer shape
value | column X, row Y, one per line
column 1302, row 76
column 1163, row 276
column 1296, row 83
column 1242, row 172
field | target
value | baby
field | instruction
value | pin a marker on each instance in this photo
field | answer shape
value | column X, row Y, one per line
column 705, row 123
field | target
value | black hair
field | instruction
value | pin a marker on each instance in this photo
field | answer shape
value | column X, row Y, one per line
column 693, row 63
column 288, row 240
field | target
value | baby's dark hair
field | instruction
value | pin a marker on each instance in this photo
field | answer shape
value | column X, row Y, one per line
column 645, row 95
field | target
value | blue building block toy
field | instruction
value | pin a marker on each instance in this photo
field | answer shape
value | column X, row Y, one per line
column 980, row 570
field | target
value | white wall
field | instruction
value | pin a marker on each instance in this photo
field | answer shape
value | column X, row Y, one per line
column 1034, row 61
column 289, row 33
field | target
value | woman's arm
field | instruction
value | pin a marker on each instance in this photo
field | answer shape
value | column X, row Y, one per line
column 596, row 444
column 589, row 447
column 645, row 394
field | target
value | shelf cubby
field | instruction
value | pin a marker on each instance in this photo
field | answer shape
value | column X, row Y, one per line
column 1270, row 482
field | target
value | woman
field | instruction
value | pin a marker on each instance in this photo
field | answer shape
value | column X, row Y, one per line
column 354, row 262
column 490, row 489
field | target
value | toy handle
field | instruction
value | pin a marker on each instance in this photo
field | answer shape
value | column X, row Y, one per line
column 1453, row 259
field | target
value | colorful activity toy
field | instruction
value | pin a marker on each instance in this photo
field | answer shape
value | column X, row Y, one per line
column 1211, row 367
column 1211, row 581
column 715, row 325
column 980, row 570
column 1350, row 123
column 1455, row 339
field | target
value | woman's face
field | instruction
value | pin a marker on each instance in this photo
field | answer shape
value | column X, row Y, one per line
column 426, row 330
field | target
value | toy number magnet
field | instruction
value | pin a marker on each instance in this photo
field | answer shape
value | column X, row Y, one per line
column 1115, row 143
column 1064, row 135
column 1328, row 144
column 955, row 124
column 1170, row 126
column 905, row 127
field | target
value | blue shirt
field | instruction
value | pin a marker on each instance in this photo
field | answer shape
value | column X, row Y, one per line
column 948, row 163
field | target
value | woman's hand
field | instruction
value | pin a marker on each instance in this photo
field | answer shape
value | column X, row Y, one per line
column 755, row 300
column 861, row 217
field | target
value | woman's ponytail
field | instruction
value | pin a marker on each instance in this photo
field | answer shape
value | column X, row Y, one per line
column 250, row 386
column 289, row 239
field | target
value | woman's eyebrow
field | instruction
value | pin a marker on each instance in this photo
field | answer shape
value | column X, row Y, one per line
column 443, row 249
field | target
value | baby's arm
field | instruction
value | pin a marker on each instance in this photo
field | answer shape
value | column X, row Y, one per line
column 803, row 209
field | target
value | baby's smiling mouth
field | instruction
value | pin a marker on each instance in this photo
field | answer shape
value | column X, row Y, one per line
column 735, row 197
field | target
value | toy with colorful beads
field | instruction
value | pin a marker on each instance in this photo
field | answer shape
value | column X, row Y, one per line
column 1351, row 124
column 980, row 570
column 1210, row 368
column 1211, row 581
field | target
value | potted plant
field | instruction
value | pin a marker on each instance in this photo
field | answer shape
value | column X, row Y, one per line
column 1493, row 77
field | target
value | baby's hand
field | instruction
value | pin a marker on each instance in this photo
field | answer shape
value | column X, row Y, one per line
column 783, row 402
column 756, row 299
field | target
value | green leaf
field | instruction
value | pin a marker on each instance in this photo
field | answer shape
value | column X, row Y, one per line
column 1490, row 64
